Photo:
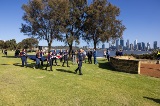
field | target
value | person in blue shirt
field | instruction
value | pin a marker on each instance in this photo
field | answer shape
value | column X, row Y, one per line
column 95, row 56
column 79, row 59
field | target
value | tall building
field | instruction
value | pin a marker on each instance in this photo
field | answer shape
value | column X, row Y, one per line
column 103, row 46
column 139, row 45
column 135, row 45
column 117, row 44
column 143, row 46
column 148, row 46
column 131, row 46
column 121, row 42
column 155, row 45
column 127, row 44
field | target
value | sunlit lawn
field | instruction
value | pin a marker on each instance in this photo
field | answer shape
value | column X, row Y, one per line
column 98, row 86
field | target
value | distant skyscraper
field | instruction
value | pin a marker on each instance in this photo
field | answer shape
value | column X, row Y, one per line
column 135, row 44
column 117, row 44
column 103, row 46
column 155, row 45
column 121, row 42
column 143, row 46
column 131, row 46
column 139, row 45
column 127, row 44
column 148, row 46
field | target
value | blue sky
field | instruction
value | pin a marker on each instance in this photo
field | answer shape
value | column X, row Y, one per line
column 141, row 18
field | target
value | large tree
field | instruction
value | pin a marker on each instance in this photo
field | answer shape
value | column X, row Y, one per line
column 1, row 44
column 45, row 19
column 101, row 22
column 10, row 44
column 29, row 43
column 74, row 23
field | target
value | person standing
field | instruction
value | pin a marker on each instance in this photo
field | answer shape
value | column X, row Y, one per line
column 108, row 55
column 61, row 55
column 38, row 57
column 49, row 60
column 74, row 57
column 5, row 52
column 41, row 57
column 104, row 53
column 23, row 57
column 80, row 59
column 89, row 54
column 54, row 57
column 84, row 56
column 65, row 58
column 95, row 56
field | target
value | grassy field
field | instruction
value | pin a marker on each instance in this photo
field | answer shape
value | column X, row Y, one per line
column 99, row 85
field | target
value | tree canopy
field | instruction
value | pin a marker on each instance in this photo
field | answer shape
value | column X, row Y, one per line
column 45, row 19
column 101, row 22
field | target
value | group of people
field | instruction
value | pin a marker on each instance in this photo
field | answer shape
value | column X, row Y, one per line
column 78, row 57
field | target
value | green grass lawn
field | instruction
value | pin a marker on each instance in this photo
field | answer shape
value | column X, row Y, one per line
column 99, row 85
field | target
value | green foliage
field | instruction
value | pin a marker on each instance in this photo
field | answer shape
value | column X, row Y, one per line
column 75, row 21
column 1, row 44
column 45, row 19
column 10, row 44
column 29, row 43
column 101, row 22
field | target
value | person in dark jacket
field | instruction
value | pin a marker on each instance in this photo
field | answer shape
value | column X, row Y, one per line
column 54, row 59
column 95, row 56
column 79, row 59
column 65, row 58
column 61, row 55
column 89, row 55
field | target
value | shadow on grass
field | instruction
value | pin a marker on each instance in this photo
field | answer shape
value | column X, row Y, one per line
column 5, row 64
column 10, row 57
column 107, row 66
column 155, row 100
column 31, row 65
column 67, row 71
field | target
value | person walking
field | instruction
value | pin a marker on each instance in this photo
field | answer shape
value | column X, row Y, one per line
column 49, row 61
column 38, row 57
column 79, row 59
column 95, row 56
column 108, row 55
column 23, row 57
column 65, row 58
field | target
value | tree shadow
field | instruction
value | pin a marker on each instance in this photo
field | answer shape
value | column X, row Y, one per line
column 107, row 66
column 10, row 57
column 5, row 64
column 155, row 100
column 62, row 70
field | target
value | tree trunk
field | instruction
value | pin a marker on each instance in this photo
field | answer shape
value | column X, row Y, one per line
column 70, row 50
column 95, row 44
column 49, row 46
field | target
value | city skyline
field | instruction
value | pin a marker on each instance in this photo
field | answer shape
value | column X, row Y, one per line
column 141, row 23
